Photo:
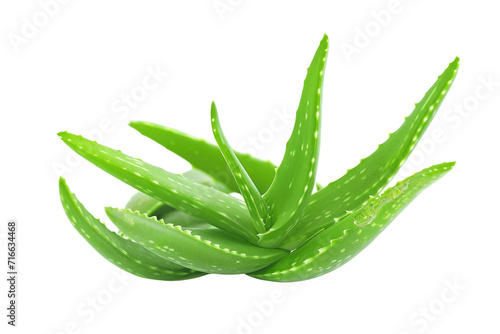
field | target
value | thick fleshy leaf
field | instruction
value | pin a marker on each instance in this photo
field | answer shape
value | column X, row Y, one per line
column 200, row 176
column 291, row 189
column 185, row 221
column 207, row 157
column 255, row 203
column 339, row 243
column 180, row 218
column 123, row 253
column 211, row 251
column 215, row 207
column 153, row 207
column 147, row 205
column 373, row 173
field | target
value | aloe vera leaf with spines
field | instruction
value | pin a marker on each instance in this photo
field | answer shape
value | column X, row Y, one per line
column 123, row 253
column 172, row 189
column 207, row 157
column 153, row 207
column 185, row 221
column 256, row 206
column 294, row 182
column 147, row 204
column 339, row 243
column 212, row 251
column 204, row 228
column 374, row 172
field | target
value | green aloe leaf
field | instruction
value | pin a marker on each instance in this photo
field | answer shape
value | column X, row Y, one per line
column 255, row 202
column 148, row 205
column 295, row 178
column 170, row 214
column 373, row 173
column 207, row 157
column 184, row 226
column 185, row 221
column 339, row 243
column 123, row 253
column 210, row 251
column 199, row 176
column 215, row 207
column 153, row 207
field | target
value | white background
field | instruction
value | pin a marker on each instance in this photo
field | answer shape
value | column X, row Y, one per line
column 71, row 72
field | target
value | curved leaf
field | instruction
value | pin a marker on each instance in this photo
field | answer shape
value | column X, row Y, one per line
column 123, row 253
column 153, row 207
column 211, row 251
column 339, row 243
column 207, row 157
column 213, row 206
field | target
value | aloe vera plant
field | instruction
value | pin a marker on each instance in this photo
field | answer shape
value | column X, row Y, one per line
column 185, row 226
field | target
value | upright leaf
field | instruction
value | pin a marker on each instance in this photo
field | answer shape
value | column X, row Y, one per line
column 253, row 199
column 339, row 243
column 289, row 193
column 373, row 173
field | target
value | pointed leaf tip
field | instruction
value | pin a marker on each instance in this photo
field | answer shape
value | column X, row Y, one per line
column 325, row 39
column 62, row 182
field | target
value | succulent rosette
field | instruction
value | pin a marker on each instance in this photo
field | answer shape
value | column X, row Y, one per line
column 282, row 228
